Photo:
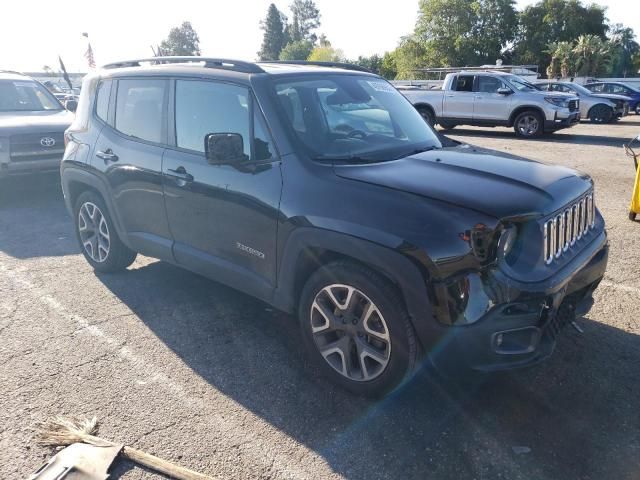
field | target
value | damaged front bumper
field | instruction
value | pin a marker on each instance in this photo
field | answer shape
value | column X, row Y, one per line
column 520, row 326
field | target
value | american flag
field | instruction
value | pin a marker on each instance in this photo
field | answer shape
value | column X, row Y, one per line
column 89, row 56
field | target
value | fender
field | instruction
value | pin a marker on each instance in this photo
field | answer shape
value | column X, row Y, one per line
column 521, row 108
column 82, row 174
column 392, row 264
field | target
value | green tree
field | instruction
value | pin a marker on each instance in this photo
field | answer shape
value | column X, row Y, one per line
column 372, row 63
column 409, row 57
column 555, row 21
column 563, row 61
column 326, row 54
column 299, row 50
column 306, row 18
column 274, row 37
column 465, row 32
column 592, row 55
column 442, row 35
column 389, row 69
column 182, row 40
column 624, row 48
column 495, row 23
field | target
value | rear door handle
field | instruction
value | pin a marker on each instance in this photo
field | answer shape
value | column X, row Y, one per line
column 180, row 173
column 107, row 155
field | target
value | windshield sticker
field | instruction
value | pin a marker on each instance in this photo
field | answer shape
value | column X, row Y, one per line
column 381, row 87
column 24, row 84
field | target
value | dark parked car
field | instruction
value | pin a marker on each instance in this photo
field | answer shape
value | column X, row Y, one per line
column 322, row 191
column 618, row 88
column 32, row 125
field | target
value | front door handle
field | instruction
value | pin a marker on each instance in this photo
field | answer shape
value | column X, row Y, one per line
column 107, row 155
column 180, row 173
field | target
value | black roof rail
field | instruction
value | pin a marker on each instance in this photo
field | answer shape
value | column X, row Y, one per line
column 222, row 63
column 346, row 66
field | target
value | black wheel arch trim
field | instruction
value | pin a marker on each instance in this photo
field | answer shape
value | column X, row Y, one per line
column 396, row 267
column 72, row 174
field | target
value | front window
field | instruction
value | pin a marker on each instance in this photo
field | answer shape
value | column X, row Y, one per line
column 352, row 117
column 26, row 96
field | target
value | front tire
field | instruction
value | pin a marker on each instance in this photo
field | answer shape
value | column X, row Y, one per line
column 427, row 114
column 529, row 124
column 601, row 114
column 356, row 329
column 98, row 238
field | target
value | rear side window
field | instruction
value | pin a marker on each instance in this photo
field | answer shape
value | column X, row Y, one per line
column 464, row 83
column 102, row 99
column 210, row 107
column 489, row 84
column 139, row 108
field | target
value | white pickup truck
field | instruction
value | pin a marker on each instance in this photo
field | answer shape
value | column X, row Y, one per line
column 493, row 99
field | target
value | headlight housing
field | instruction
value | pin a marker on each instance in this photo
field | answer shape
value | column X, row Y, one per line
column 558, row 101
column 507, row 241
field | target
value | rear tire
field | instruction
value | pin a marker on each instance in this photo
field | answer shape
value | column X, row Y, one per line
column 601, row 114
column 356, row 329
column 427, row 114
column 529, row 124
column 448, row 126
column 632, row 216
column 97, row 235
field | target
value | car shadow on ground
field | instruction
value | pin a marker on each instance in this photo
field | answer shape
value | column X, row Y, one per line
column 575, row 416
column 29, row 207
column 559, row 137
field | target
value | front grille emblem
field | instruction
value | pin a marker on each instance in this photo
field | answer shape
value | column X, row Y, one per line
column 47, row 142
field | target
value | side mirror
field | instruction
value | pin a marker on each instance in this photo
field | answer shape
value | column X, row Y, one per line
column 504, row 91
column 71, row 105
column 224, row 148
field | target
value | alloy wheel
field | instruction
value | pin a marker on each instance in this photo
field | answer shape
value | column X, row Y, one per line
column 94, row 232
column 528, row 125
column 350, row 332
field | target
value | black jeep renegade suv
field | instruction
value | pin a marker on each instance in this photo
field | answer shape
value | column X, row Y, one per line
column 320, row 190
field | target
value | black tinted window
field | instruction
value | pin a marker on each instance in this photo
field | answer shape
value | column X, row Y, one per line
column 464, row 83
column 210, row 107
column 262, row 144
column 139, row 106
column 102, row 99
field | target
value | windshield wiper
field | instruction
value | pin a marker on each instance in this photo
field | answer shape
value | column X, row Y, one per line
column 346, row 159
column 416, row 151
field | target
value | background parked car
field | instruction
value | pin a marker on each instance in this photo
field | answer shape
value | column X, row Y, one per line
column 597, row 107
column 495, row 99
column 618, row 88
column 32, row 125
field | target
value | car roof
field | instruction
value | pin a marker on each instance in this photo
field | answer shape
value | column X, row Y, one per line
column 222, row 68
column 10, row 75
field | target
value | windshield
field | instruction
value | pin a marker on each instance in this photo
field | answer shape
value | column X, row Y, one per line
column 344, row 117
column 579, row 88
column 26, row 95
column 520, row 83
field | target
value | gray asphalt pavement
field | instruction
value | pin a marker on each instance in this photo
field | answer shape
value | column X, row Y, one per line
column 197, row 373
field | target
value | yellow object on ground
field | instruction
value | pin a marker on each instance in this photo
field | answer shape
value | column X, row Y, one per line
column 635, row 197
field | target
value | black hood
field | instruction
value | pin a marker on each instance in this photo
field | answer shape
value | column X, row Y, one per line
column 493, row 183
column 13, row 123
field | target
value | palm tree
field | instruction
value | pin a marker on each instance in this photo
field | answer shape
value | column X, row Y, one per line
column 593, row 55
column 565, row 55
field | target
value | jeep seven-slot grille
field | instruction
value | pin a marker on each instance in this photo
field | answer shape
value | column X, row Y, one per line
column 567, row 227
